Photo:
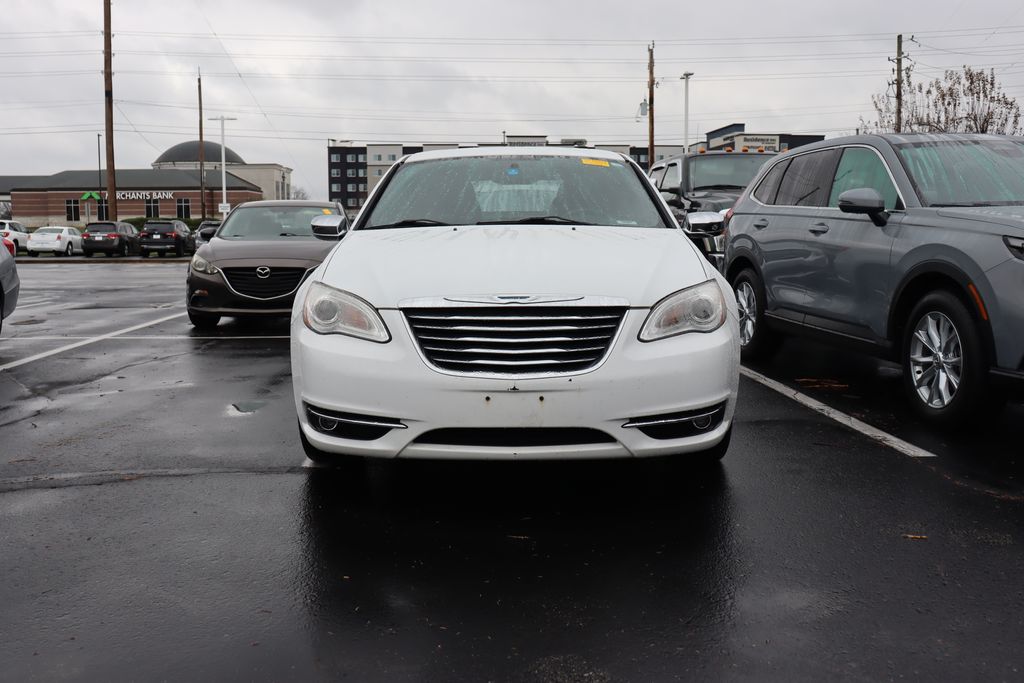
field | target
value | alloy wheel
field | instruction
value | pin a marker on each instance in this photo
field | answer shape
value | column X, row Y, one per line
column 936, row 360
column 747, row 304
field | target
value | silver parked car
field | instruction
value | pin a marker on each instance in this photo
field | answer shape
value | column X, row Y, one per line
column 909, row 247
column 9, row 285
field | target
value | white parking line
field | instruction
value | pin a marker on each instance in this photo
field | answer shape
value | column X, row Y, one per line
column 86, row 342
column 839, row 416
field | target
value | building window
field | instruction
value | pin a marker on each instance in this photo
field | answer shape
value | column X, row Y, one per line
column 351, row 187
column 362, row 173
column 660, row 157
column 152, row 208
column 335, row 158
column 362, row 187
column 351, row 201
column 380, row 172
column 392, row 157
column 71, row 210
column 350, row 158
column 184, row 208
column 351, row 173
column 335, row 172
column 102, row 210
column 378, row 157
column 335, row 187
column 361, row 200
column 362, row 158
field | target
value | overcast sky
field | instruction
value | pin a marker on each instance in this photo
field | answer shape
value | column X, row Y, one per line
column 295, row 74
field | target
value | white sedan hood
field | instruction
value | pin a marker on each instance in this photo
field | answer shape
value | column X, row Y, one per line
column 641, row 265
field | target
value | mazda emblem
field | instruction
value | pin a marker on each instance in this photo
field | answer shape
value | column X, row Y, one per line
column 263, row 272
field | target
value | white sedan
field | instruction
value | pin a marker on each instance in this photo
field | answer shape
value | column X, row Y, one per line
column 506, row 303
column 61, row 241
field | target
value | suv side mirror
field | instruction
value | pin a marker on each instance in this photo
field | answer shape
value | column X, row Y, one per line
column 329, row 226
column 867, row 201
column 207, row 233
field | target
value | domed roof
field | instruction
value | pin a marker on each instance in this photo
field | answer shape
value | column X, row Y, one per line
column 187, row 152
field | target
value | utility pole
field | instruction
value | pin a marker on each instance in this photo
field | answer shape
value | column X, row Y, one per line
column 899, row 84
column 108, row 96
column 650, row 105
column 223, row 162
column 202, row 151
column 99, row 178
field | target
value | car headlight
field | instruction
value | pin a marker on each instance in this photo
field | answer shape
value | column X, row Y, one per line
column 327, row 310
column 700, row 308
column 201, row 265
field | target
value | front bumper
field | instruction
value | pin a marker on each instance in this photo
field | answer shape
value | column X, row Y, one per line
column 392, row 382
column 210, row 294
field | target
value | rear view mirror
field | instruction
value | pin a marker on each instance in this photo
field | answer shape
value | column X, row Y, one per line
column 329, row 226
column 866, row 201
column 208, row 233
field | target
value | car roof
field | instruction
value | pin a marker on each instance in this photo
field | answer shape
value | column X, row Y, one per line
column 506, row 151
column 894, row 139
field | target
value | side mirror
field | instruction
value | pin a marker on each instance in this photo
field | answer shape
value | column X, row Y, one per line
column 207, row 233
column 704, row 222
column 329, row 226
column 866, row 201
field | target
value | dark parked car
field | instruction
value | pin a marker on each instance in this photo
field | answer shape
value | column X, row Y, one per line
column 700, row 184
column 257, row 259
column 166, row 237
column 111, row 238
column 910, row 247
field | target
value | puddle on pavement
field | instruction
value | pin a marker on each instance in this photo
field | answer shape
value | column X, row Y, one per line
column 245, row 407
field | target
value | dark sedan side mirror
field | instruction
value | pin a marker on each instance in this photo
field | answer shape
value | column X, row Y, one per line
column 867, row 201
column 207, row 233
column 329, row 226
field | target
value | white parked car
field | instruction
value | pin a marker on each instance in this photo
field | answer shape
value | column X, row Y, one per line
column 61, row 241
column 15, row 232
column 504, row 303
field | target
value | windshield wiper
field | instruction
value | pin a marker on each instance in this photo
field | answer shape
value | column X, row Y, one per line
column 719, row 187
column 537, row 220
column 406, row 223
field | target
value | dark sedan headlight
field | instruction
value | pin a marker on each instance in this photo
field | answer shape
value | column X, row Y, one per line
column 201, row 265
column 700, row 308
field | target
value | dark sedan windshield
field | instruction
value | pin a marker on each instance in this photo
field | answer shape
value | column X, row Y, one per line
column 529, row 189
column 966, row 172
column 271, row 222
column 724, row 171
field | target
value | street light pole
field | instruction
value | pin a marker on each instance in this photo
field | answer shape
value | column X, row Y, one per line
column 223, row 162
column 685, row 78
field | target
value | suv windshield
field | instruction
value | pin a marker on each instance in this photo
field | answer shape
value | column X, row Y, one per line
column 724, row 171
column 966, row 172
column 510, row 188
column 271, row 222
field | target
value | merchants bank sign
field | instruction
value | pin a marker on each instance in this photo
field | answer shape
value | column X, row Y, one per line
column 144, row 194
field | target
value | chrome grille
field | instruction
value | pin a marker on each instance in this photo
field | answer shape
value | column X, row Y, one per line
column 515, row 340
column 280, row 282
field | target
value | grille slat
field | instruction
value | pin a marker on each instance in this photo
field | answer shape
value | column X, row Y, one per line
column 515, row 340
column 282, row 281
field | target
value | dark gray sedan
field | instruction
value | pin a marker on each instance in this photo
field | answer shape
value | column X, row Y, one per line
column 910, row 247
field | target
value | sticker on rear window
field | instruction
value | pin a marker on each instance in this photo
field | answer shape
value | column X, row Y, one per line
column 327, row 212
column 595, row 162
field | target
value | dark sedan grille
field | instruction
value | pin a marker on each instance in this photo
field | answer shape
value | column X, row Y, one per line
column 519, row 340
column 280, row 282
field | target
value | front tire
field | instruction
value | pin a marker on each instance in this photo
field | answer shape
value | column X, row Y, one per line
column 757, row 342
column 945, row 366
column 69, row 251
column 123, row 252
column 203, row 321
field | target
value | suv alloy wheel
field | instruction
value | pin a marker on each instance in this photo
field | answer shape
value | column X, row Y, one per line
column 944, row 365
column 756, row 340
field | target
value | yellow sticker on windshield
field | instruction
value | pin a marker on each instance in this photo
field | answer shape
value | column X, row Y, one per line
column 327, row 212
column 595, row 162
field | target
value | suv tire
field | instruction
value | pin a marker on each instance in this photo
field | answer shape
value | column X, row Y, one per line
column 760, row 342
column 945, row 368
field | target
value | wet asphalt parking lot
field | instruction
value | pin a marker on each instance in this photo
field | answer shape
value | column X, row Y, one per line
column 157, row 522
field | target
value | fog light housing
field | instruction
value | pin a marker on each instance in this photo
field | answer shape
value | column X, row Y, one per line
column 702, row 422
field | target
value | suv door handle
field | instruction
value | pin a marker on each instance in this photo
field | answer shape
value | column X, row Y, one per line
column 761, row 224
column 819, row 228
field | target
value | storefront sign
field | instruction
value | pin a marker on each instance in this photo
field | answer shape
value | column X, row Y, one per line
column 147, row 194
column 769, row 142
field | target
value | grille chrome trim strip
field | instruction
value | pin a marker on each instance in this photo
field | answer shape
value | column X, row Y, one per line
column 353, row 421
column 639, row 423
column 224, row 277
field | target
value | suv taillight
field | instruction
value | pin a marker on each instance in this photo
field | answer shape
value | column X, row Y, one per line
column 111, row 235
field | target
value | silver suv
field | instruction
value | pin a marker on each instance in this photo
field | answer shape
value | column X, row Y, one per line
column 910, row 247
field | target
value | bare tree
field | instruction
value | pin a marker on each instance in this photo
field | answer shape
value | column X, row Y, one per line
column 968, row 101
column 299, row 193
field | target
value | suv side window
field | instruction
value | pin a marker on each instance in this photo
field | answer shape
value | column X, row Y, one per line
column 656, row 176
column 861, row 167
column 673, row 175
column 808, row 179
column 769, row 185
